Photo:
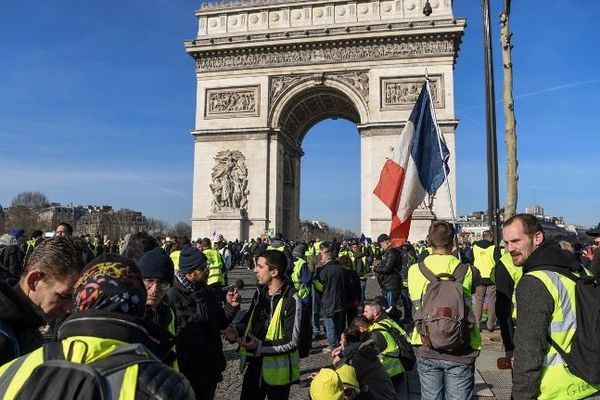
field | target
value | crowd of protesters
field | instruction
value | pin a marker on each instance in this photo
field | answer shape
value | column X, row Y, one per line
column 147, row 316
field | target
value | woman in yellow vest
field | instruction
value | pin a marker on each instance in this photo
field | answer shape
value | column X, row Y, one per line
column 269, row 332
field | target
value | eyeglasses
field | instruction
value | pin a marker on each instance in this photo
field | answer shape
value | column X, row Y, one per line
column 162, row 285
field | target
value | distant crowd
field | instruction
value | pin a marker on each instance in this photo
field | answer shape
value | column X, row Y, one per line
column 145, row 317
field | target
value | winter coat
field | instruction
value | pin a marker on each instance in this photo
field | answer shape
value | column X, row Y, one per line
column 332, row 277
column 389, row 271
column 23, row 318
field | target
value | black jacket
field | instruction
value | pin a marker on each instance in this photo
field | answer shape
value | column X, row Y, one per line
column 263, row 307
column 201, row 316
column 332, row 277
column 23, row 318
column 389, row 271
column 375, row 384
column 155, row 380
column 534, row 314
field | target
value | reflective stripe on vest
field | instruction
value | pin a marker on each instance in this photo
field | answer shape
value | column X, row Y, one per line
column 303, row 290
column 556, row 380
column 390, row 357
column 123, row 383
column 277, row 369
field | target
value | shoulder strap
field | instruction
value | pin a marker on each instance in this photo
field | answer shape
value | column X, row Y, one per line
column 427, row 273
column 53, row 351
column 460, row 271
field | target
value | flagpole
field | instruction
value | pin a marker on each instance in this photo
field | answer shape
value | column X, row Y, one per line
column 439, row 137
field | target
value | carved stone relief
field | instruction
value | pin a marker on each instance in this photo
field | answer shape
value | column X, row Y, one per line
column 402, row 93
column 357, row 80
column 233, row 102
column 291, row 55
column 229, row 184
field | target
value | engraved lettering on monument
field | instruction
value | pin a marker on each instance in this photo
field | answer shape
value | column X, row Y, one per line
column 234, row 102
column 402, row 93
column 229, row 184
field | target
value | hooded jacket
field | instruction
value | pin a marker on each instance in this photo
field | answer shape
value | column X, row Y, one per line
column 375, row 384
column 535, row 308
column 23, row 318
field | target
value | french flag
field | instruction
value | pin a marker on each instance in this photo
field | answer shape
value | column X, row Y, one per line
column 418, row 165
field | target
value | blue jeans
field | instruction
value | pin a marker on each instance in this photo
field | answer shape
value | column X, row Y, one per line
column 333, row 328
column 391, row 297
column 316, row 311
column 445, row 380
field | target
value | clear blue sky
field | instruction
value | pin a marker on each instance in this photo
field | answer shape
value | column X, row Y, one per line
column 97, row 99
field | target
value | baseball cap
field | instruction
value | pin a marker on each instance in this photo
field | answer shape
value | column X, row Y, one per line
column 382, row 238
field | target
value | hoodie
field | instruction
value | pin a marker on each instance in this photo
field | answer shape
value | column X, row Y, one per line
column 534, row 313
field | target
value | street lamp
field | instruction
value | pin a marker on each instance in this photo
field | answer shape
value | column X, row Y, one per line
column 490, row 114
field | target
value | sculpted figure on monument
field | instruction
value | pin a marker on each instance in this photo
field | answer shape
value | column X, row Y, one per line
column 229, row 181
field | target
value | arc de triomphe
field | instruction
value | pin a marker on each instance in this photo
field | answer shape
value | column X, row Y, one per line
column 268, row 70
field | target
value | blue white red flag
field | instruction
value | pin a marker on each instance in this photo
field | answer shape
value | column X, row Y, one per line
column 415, row 167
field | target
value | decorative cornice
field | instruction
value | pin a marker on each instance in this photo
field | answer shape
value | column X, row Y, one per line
column 320, row 53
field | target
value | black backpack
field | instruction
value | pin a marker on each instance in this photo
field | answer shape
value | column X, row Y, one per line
column 405, row 349
column 583, row 360
column 58, row 378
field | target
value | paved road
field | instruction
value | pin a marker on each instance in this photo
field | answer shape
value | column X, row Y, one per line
column 490, row 383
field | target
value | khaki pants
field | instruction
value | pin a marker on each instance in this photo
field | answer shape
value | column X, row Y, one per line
column 480, row 294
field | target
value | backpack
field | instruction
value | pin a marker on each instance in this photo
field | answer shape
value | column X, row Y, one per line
column 405, row 349
column 583, row 360
column 444, row 320
column 58, row 378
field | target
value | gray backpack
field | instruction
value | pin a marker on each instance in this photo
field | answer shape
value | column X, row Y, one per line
column 443, row 320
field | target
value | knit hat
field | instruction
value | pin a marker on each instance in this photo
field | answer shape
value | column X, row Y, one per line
column 156, row 264
column 326, row 385
column 17, row 232
column 110, row 282
column 299, row 250
column 348, row 376
column 382, row 238
column 190, row 259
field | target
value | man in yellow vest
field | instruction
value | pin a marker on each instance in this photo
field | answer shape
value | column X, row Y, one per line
column 506, row 276
column 106, row 320
column 485, row 257
column 546, row 308
column 269, row 332
column 389, row 350
column 450, row 372
column 216, row 276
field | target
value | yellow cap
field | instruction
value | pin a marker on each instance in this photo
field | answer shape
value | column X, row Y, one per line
column 326, row 385
column 348, row 376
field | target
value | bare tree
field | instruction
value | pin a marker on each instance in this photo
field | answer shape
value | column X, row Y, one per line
column 181, row 230
column 30, row 200
column 157, row 227
column 510, row 123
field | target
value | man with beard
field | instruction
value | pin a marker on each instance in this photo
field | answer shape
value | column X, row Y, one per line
column 201, row 315
column 546, row 309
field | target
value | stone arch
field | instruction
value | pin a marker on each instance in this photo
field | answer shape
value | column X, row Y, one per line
column 268, row 70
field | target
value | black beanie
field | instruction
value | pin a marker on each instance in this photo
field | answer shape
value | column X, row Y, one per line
column 190, row 259
column 156, row 264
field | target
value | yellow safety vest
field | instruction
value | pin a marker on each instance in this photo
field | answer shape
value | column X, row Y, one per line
column 278, row 369
column 390, row 357
column 557, row 382
column 175, row 258
column 76, row 348
column 215, row 267
column 483, row 259
column 302, row 289
column 417, row 286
